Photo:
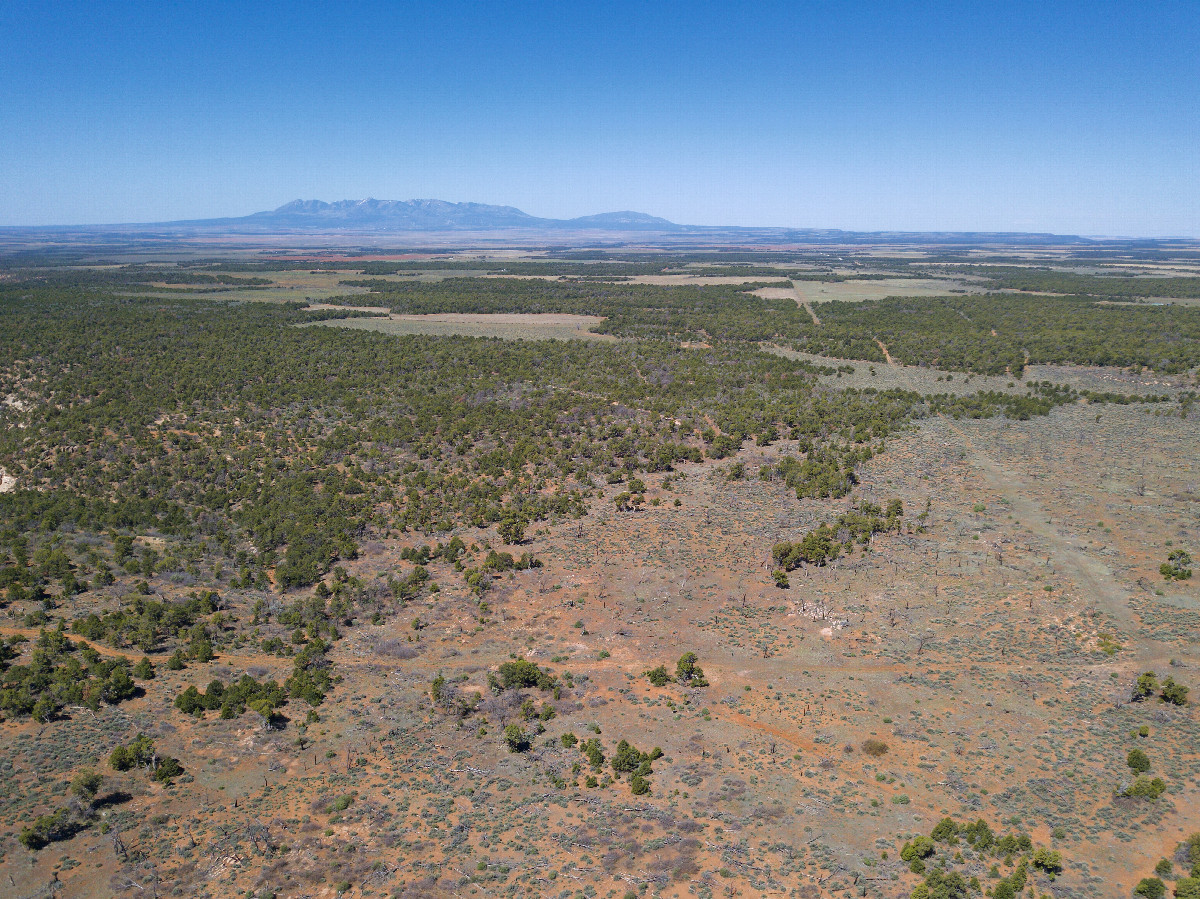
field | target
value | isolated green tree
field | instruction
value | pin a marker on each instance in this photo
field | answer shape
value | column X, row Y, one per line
column 1150, row 888
column 1176, row 567
column 688, row 672
column 1138, row 761
column 659, row 676
column 1144, row 687
column 1174, row 693
column 515, row 739
column 86, row 785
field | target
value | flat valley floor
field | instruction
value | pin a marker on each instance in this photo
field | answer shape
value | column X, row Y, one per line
column 993, row 653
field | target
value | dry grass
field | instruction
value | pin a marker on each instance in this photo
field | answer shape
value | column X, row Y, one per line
column 856, row 291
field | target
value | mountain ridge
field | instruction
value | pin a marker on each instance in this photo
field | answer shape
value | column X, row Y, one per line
column 431, row 216
column 435, row 215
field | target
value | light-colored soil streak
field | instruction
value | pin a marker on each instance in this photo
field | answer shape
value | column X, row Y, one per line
column 807, row 305
column 1091, row 575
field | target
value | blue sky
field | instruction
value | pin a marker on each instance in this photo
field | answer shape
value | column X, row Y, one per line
column 1051, row 116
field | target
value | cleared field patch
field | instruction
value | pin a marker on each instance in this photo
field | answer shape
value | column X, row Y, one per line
column 881, row 376
column 857, row 291
column 285, row 287
column 510, row 326
column 674, row 280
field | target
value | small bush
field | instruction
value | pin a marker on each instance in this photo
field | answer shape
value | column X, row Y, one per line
column 874, row 748
column 1048, row 860
column 515, row 739
column 659, row 676
column 1145, row 788
column 921, row 847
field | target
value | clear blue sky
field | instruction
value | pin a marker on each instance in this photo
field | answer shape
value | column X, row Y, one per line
column 1077, row 117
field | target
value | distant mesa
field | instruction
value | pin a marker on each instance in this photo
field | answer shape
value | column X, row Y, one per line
column 623, row 221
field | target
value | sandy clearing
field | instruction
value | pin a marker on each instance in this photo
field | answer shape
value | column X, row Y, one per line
column 511, row 326
column 13, row 402
column 7, row 482
column 904, row 377
column 776, row 293
column 669, row 280
column 659, row 280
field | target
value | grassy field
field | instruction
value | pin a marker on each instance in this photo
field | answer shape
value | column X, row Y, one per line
column 853, row 291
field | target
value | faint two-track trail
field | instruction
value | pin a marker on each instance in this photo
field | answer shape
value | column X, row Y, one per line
column 803, row 302
column 1093, row 578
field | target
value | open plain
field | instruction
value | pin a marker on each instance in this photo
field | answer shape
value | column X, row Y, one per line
column 726, row 599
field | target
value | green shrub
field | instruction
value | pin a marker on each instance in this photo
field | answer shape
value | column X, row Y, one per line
column 945, row 831
column 522, row 673
column 1187, row 888
column 1048, row 860
column 1146, row 788
column 979, row 835
column 659, row 676
column 920, row 847
column 1144, row 686
column 1176, row 566
column 688, row 672
column 1174, row 693
column 48, row 829
column 168, row 767
column 515, row 739
column 1151, row 888
column 86, row 785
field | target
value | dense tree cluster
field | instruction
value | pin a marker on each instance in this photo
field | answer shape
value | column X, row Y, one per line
column 1000, row 334
column 226, row 425
column 145, row 622
column 1046, row 280
column 141, row 753
column 61, row 673
column 828, row 541
column 935, row 856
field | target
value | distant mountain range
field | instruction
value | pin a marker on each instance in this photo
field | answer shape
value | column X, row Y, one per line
column 424, row 215
column 440, row 220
